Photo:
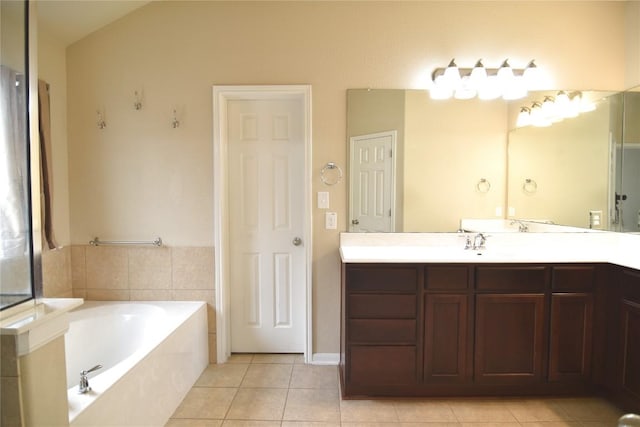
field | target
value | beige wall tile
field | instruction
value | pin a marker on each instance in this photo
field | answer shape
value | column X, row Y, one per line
column 108, row 295
column 78, row 267
column 56, row 272
column 80, row 293
column 107, row 268
column 150, row 295
column 192, row 268
column 150, row 268
column 194, row 295
column 8, row 359
column 43, row 382
column 213, row 348
column 10, row 402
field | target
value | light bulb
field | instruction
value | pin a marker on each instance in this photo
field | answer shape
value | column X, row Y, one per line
column 514, row 88
column 440, row 90
column 465, row 89
column 452, row 74
column 531, row 75
column 490, row 90
column 537, row 117
column 505, row 73
column 524, row 117
column 478, row 75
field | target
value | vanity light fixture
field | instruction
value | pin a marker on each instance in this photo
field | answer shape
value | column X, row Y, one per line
column 554, row 109
column 485, row 83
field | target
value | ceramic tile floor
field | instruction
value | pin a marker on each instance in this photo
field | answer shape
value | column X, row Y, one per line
column 280, row 390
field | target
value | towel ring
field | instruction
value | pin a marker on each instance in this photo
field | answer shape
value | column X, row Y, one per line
column 530, row 186
column 483, row 186
column 333, row 177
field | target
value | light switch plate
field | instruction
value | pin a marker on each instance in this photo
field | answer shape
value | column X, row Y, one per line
column 323, row 200
column 331, row 220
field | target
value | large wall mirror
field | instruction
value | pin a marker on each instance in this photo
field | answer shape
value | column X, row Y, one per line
column 421, row 165
column 16, row 268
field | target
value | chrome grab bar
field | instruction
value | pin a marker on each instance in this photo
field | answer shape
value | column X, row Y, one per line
column 98, row 242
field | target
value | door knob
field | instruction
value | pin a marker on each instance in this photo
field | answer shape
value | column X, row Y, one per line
column 355, row 222
column 297, row 241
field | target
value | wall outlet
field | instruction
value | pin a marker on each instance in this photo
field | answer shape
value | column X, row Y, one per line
column 512, row 211
column 595, row 219
column 331, row 220
column 323, row 200
column 499, row 211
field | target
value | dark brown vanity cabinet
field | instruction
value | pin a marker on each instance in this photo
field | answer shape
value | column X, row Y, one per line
column 464, row 329
column 380, row 326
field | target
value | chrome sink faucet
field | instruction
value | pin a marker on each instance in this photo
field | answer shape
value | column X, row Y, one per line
column 522, row 227
column 83, row 386
column 479, row 241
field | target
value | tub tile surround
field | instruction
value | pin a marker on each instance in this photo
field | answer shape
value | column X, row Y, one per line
column 119, row 273
column 229, row 395
column 57, row 273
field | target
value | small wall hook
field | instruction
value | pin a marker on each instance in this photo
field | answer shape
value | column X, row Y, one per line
column 100, row 120
column 137, row 104
column 175, row 123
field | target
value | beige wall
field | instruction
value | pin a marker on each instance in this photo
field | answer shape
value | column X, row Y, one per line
column 632, row 44
column 566, row 156
column 139, row 178
column 52, row 68
column 449, row 147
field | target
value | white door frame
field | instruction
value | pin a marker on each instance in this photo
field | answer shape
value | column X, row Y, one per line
column 221, row 95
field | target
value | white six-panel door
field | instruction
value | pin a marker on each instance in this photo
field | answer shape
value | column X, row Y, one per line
column 372, row 182
column 266, row 213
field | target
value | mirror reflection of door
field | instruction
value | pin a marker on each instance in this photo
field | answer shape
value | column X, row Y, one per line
column 372, row 182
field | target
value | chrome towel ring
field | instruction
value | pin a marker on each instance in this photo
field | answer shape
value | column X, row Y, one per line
column 331, row 174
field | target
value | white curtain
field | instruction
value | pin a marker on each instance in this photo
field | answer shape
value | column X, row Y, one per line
column 14, row 222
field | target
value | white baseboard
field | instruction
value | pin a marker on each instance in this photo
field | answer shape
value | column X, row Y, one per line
column 325, row 358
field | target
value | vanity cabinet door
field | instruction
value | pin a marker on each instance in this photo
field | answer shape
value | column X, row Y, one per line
column 509, row 338
column 570, row 344
column 446, row 338
column 630, row 349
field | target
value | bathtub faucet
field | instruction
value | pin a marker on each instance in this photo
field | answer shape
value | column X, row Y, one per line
column 83, row 387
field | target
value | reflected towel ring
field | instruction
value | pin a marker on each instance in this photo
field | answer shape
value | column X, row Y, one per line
column 530, row 186
column 483, row 186
column 333, row 177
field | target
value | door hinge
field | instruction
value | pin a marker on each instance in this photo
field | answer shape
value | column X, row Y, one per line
column 389, row 212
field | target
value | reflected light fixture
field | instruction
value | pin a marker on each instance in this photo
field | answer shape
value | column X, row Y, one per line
column 554, row 109
column 485, row 83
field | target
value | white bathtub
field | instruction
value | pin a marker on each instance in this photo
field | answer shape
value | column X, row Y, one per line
column 152, row 353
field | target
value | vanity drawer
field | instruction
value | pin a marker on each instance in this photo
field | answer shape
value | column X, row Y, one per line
column 387, row 331
column 512, row 278
column 573, row 278
column 390, row 278
column 384, row 306
column 383, row 365
column 447, row 278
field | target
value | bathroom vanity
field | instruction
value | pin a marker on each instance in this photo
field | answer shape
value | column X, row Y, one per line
column 429, row 318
